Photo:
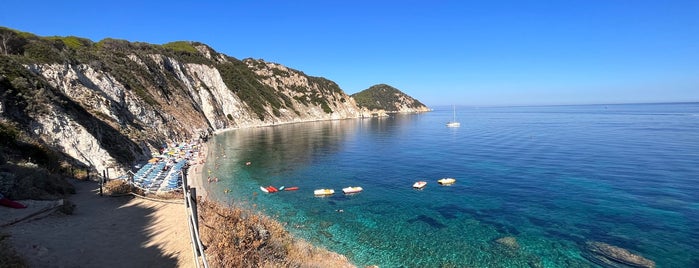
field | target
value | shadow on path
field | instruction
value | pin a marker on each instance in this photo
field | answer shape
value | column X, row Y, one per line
column 102, row 232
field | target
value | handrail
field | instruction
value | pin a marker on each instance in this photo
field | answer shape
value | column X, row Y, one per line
column 197, row 246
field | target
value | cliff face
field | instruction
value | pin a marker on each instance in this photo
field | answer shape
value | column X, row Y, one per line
column 112, row 103
column 386, row 98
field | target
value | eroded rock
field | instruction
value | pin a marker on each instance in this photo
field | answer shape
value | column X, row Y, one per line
column 611, row 256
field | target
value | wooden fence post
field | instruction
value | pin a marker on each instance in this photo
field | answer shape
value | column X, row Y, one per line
column 101, row 181
column 193, row 196
column 195, row 214
column 184, row 180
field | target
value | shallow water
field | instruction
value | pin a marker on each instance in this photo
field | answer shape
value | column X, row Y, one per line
column 551, row 177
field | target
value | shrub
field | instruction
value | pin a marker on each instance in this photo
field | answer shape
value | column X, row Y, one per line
column 181, row 46
column 8, row 256
column 234, row 237
column 117, row 187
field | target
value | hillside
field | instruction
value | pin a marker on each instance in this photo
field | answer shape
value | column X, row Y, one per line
column 387, row 98
column 68, row 103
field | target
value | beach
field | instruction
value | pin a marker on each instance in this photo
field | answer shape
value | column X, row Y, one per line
column 106, row 231
column 194, row 177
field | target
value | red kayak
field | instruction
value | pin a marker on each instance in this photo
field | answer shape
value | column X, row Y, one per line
column 9, row 203
column 291, row 188
column 271, row 189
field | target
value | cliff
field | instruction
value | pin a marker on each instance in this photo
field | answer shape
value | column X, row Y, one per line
column 386, row 98
column 69, row 102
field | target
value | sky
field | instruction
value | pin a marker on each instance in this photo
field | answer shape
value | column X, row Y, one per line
column 478, row 53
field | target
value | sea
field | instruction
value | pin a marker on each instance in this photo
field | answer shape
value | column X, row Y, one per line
column 534, row 185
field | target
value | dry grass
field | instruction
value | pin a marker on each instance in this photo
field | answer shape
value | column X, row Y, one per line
column 234, row 237
column 174, row 195
column 117, row 187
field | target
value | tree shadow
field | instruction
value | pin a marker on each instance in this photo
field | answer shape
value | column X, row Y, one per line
column 102, row 232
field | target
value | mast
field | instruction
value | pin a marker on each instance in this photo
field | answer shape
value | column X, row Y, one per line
column 454, row 107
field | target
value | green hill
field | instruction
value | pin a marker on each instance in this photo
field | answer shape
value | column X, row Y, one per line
column 388, row 98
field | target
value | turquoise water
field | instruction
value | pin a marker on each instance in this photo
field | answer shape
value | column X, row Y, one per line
column 551, row 177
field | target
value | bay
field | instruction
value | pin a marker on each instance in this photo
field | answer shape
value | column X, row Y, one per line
column 548, row 178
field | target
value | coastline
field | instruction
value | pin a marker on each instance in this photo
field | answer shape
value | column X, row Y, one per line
column 298, row 251
column 194, row 173
column 361, row 116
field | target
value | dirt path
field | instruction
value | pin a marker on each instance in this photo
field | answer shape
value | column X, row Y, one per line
column 106, row 232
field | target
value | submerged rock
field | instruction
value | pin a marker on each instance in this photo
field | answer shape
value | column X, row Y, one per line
column 508, row 241
column 613, row 256
column 432, row 222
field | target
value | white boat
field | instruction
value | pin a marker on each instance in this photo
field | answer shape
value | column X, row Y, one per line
column 352, row 190
column 324, row 192
column 420, row 184
column 264, row 189
column 453, row 123
column 446, row 181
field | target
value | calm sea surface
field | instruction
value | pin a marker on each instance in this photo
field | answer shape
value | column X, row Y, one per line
column 534, row 184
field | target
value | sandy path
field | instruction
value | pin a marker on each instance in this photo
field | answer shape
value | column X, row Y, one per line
column 106, row 232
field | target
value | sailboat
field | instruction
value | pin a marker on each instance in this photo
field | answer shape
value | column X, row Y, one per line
column 453, row 123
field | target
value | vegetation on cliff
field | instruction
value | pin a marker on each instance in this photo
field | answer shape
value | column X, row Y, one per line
column 112, row 55
column 385, row 97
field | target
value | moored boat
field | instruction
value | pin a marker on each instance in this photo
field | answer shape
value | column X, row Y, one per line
column 420, row 184
column 454, row 123
column 324, row 192
column 352, row 190
column 262, row 188
column 292, row 188
column 271, row 189
column 446, row 181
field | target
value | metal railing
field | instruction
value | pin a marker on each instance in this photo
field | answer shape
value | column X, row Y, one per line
column 191, row 210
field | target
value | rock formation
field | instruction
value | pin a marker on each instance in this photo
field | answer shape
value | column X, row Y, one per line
column 612, row 256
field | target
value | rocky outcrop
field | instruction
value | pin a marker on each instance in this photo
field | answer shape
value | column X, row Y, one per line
column 309, row 98
column 607, row 255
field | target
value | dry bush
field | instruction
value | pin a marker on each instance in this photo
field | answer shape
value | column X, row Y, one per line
column 117, row 187
column 28, row 181
column 174, row 195
column 8, row 256
column 80, row 174
column 234, row 237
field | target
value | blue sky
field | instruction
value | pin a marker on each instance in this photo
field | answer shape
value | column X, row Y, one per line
column 440, row 52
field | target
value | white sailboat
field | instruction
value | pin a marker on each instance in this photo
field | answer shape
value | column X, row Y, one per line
column 453, row 123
